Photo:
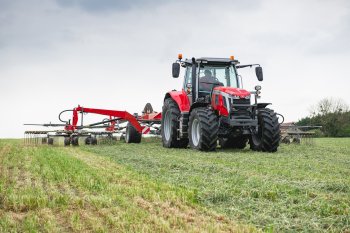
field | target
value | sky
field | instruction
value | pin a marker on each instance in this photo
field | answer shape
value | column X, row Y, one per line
column 112, row 54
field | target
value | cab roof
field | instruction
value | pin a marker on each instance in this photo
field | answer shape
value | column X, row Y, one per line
column 212, row 60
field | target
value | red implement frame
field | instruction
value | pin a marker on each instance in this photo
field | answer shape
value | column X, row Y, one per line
column 123, row 115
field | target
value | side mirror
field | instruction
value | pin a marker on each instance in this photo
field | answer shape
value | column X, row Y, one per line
column 176, row 70
column 259, row 73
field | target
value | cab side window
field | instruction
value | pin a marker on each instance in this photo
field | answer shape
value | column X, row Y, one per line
column 188, row 77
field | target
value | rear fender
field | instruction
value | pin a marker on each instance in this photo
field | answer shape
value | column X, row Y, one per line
column 181, row 99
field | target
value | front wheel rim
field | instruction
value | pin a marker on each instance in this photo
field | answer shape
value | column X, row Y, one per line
column 195, row 132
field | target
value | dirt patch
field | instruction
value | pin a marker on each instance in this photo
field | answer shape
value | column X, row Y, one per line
column 179, row 213
column 17, row 216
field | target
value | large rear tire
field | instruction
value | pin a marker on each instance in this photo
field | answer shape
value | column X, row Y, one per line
column 233, row 142
column 132, row 135
column 203, row 129
column 170, row 125
column 267, row 137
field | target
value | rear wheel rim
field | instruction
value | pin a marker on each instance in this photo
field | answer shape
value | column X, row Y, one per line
column 195, row 132
column 167, row 125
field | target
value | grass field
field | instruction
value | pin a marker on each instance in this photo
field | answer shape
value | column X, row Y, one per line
column 147, row 188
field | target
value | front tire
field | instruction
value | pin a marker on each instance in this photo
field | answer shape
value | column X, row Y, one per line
column 170, row 125
column 203, row 129
column 267, row 137
column 132, row 135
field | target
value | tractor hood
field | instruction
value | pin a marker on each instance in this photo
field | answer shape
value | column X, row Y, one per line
column 238, row 92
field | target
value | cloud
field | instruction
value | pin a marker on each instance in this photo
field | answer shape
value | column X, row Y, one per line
column 103, row 6
column 107, row 5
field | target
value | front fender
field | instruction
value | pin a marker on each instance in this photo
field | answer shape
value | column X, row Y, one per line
column 262, row 105
column 181, row 98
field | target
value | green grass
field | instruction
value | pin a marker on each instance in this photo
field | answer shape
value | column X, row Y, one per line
column 299, row 188
column 147, row 188
column 56, row 189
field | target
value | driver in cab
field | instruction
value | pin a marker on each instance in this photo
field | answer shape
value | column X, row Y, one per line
column 207, row 82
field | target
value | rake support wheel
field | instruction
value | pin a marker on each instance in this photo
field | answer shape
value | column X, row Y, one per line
column 75, row 141
column 67, row 141
column 50, row 141
column 93, row 141
column 132, row 135
column 88, row 140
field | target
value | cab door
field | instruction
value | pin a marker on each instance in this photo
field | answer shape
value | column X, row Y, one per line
column 188, row 83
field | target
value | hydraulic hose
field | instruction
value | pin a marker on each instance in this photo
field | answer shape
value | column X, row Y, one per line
column 278, row 114
column 59, row 115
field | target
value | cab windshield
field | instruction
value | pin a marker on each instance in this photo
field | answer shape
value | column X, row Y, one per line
column 211, row 76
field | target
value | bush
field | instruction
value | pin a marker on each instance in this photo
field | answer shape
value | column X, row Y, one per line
column 333, row 115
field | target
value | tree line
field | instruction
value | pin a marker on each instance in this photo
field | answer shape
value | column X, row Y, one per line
column 332, row 114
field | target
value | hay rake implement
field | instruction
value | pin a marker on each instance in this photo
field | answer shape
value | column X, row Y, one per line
column 122, row 124
column 291, row 133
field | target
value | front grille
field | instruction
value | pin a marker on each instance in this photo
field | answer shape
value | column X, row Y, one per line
column 239, row 103
column 240, row 113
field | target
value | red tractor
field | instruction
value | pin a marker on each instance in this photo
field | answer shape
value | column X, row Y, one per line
column 213, row 107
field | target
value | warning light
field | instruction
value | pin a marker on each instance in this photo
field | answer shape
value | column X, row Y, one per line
column 179, row 56
column 232, row 58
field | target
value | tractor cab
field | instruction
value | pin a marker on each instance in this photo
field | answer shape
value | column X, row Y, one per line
column 204, row 75
column 210, row 74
